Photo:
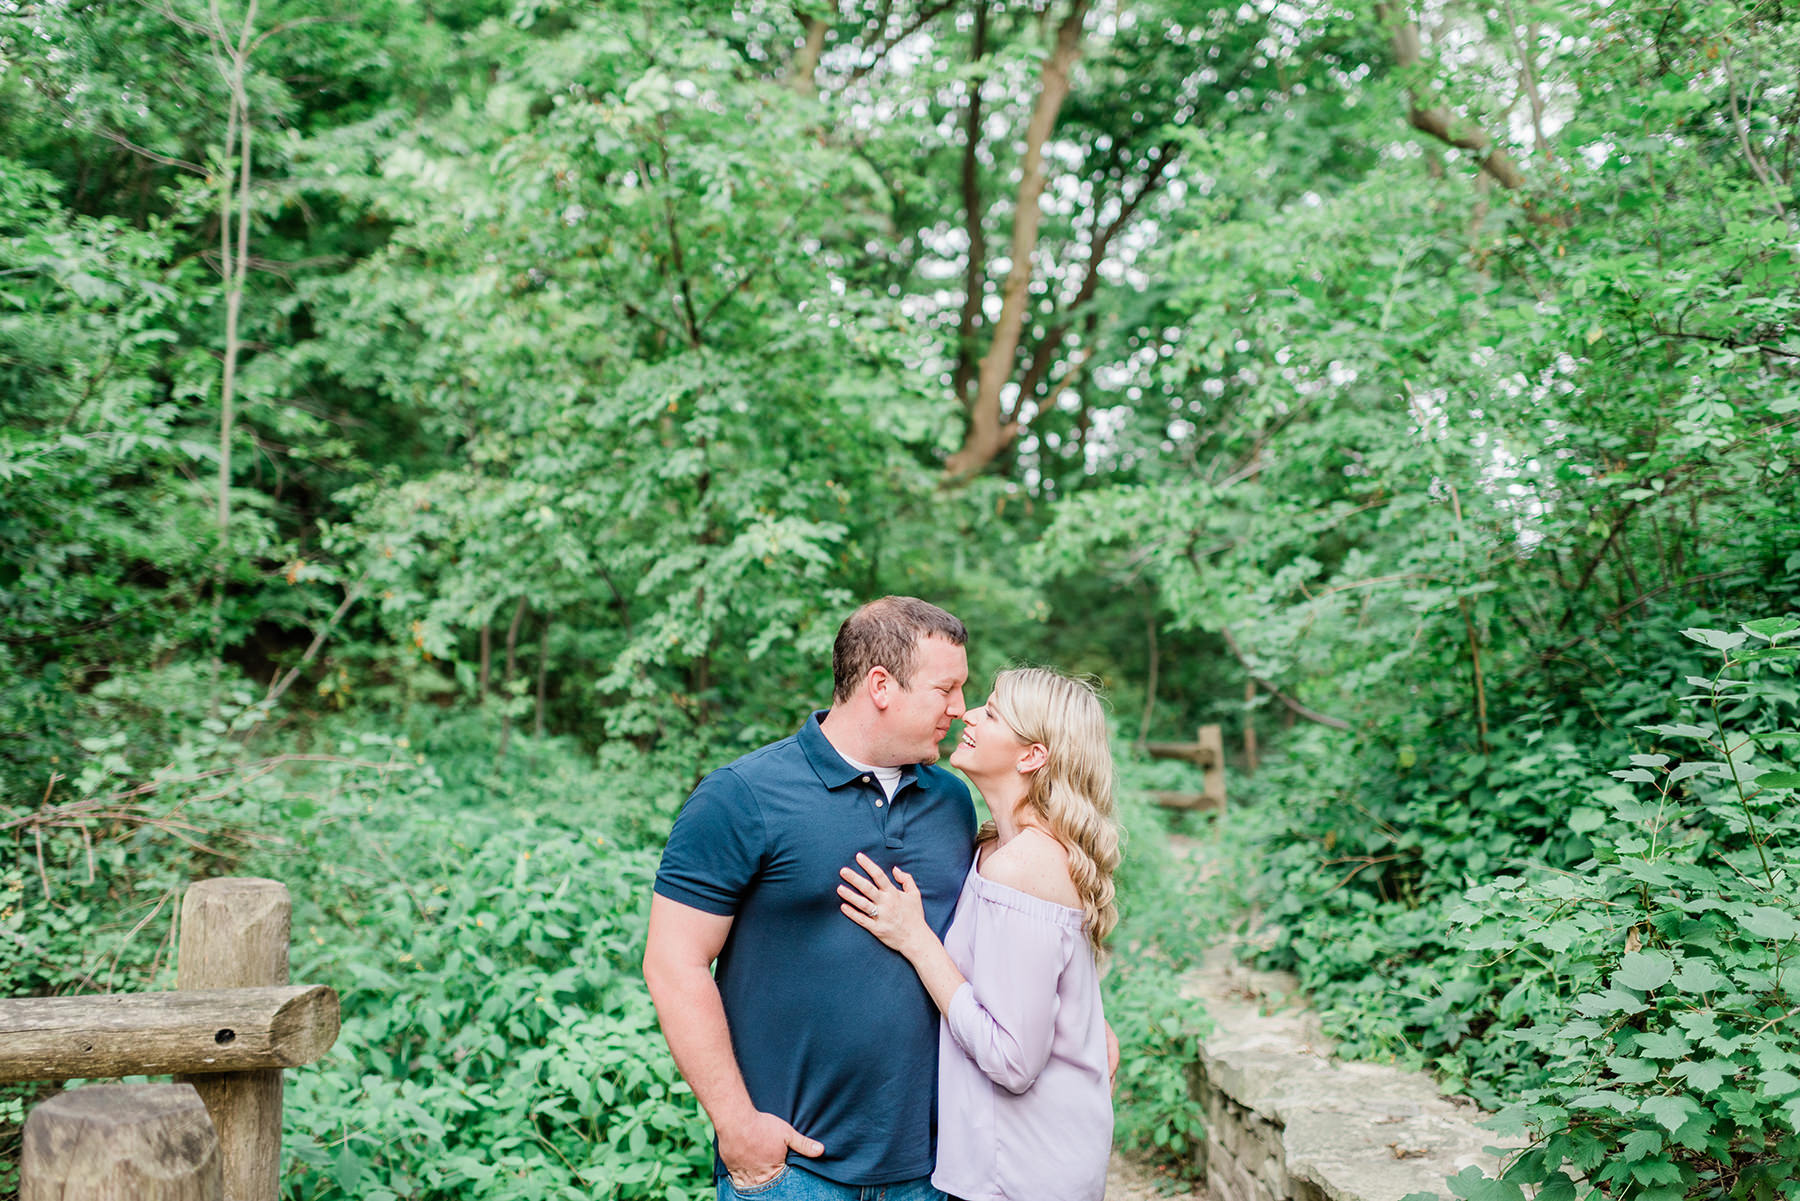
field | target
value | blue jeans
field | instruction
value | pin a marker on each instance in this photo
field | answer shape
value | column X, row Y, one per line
column 798, row 1184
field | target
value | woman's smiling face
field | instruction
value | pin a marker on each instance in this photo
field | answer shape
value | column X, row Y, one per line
column 988, row 747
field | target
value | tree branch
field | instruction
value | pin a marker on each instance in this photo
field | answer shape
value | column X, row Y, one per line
column 1741, row 125
column 882, row 49
column 280, row 687
column 1045, row 351
column 1299, row 710
column 1437, row 119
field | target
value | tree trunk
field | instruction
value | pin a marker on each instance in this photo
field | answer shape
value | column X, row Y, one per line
column 506, row 672
column 806, row 59
column 543, row 677
column 975, row 278
column 487, row 660
column 990, row 430
column 234, row 257
column 1099, row 244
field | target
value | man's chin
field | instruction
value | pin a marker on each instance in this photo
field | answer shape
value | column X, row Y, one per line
column 931, row 756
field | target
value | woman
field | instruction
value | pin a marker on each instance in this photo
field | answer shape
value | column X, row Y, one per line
column 1024, row 1101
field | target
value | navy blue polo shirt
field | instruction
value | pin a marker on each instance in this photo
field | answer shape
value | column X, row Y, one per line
column 833, row 1031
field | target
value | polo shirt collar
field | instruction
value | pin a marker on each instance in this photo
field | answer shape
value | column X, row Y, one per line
column 830, row 767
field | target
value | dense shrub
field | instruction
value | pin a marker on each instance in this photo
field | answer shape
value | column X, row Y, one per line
column 1655, row 979
column 498, row 1040
column 1599, row 954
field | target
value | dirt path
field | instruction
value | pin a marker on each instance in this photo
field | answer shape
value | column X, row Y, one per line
column 1127, row 1180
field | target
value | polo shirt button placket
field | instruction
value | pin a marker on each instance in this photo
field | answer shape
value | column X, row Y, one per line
column 878, row 801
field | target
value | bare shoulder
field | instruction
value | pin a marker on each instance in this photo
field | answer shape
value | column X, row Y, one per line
column 1035, row 864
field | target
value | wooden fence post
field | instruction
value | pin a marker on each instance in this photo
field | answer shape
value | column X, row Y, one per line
column 121, row 1142
column 1211, row 741
column 1250, row 763
column 1206, row 752
column 234, row 934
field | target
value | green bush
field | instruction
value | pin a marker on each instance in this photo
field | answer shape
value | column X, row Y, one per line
column 498, row 1040
column 1166, row 920
column 1656, row 979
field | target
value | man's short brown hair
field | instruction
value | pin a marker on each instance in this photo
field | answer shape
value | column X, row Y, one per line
column 885, row 633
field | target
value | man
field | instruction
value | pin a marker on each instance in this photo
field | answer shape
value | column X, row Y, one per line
column 814, row 1048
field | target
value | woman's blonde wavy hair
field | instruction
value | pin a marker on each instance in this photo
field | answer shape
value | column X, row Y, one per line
column 1072, row 793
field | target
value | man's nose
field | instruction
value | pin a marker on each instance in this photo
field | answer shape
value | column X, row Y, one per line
column 957, row 708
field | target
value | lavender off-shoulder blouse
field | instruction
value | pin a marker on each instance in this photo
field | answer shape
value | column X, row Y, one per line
column 1024, row 1103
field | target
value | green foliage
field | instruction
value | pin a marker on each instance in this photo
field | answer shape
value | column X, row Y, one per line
column 1662, row 1003
column 1167, row 916
column 593, row 364
column 498, row 1040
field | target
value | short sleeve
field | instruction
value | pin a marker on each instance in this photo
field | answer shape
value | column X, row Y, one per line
column 715, row 848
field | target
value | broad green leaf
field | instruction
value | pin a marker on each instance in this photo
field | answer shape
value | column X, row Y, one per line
column 1473, row 1184
column 1558, row 1186
column 1664, row 1044
column 1680, row 730
column 1778, row 1083
column 1767, row 652
column 1719, row 640
column 347, row 1170
column 1671, row 1113
column 1602, row 1098
column 1705, row 1076
column 1645, row 970
column 1610, row 1002
column 1639, row 1143
column 1586, row 820
column 1764, row 922
column 1656, row 1171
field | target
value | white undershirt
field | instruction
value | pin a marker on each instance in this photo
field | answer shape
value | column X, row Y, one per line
column 887, row 777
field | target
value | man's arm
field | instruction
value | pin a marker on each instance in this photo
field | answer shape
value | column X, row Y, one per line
column 678, row 958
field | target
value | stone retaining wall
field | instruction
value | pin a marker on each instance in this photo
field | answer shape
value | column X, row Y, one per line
column 1287, row 1122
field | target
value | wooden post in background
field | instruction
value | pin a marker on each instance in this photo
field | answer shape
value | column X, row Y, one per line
column 121, row 1142
column 1211, row 741
column 1207, row 752
column 234, row 934
column 1249, row 728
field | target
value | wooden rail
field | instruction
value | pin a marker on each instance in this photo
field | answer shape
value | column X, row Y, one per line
column 228, row 1032
column 160, row 1033
column 1207, row 752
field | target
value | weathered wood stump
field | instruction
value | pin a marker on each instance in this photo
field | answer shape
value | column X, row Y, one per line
column 234, row 934
column 121, row 1142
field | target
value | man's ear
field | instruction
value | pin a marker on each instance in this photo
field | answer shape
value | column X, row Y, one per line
column 1035, row 756
column 880, row 686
